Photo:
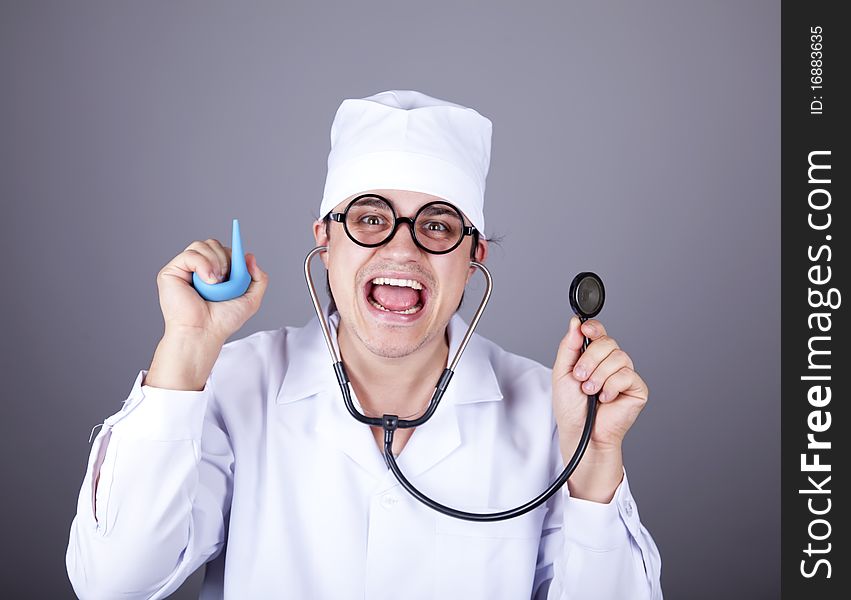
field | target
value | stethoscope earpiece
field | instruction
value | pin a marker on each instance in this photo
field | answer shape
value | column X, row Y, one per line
column 238, row 280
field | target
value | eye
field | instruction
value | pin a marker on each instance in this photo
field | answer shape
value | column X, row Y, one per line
column 436, row 226
column 371, row 220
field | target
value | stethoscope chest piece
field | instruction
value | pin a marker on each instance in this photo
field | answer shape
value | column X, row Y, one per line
column 587, row 295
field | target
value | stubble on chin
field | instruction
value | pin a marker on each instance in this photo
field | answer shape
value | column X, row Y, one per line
column 385, row 346
column 387, row 343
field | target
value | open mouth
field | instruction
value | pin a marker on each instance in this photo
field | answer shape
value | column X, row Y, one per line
column 398, row 296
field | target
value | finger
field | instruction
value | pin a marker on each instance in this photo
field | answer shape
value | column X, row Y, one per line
column 207, row 252
column 611, row 364
column 187, row 262
column 594, row 354
column 569, row 349
column 259, row 280
column 624, row 381
column 593, row 329
column 221, row 254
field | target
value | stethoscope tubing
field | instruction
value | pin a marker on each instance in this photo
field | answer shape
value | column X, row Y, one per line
column 390, row 423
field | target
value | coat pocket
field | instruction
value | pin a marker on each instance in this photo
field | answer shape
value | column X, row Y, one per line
column 487, row 559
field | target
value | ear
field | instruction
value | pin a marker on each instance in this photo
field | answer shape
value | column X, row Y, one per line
column 481, row 255
column 482, row 251
column 320, row 235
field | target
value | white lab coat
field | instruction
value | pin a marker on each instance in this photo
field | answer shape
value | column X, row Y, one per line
column 266, row 476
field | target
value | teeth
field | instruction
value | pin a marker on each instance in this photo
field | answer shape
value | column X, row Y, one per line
column 411, row 283
column 409, row 311
column 398, row 282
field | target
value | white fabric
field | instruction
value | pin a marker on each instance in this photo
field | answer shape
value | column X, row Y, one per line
column 265, row 475
column 407, row 140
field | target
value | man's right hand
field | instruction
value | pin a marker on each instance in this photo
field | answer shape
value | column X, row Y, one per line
column 196, row 329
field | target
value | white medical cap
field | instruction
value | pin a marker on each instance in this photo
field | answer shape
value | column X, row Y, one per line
column 406, row 140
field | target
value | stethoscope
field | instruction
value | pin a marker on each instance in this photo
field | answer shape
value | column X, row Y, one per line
column 586, row 295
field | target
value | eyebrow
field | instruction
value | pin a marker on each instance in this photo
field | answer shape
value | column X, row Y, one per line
column 439, row 211
column 373, row 202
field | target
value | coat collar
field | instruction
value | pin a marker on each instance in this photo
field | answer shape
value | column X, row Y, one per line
column 309, row 370
column 310, row 375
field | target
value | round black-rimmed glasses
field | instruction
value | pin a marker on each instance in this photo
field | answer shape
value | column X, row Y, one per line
column 370, row 221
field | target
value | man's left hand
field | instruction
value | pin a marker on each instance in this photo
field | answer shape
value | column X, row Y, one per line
column 604, row 368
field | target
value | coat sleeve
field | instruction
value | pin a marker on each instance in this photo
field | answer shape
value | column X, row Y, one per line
column 159, row 510
column 595, row 551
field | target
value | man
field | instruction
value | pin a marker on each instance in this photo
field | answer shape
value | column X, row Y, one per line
column 242, row 455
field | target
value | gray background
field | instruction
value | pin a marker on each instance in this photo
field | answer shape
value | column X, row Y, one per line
column 636, row 139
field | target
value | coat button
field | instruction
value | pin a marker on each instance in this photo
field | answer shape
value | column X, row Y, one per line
column 627, row 506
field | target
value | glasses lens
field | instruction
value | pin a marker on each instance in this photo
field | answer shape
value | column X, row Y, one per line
column 369, row 220
column 439, row 227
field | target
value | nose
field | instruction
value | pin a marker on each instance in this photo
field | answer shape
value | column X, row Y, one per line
column 401, row 245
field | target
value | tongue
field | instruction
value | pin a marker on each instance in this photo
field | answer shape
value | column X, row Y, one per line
column 393, row 297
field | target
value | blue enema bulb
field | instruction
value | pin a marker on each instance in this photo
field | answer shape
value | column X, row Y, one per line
column 237, row 282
